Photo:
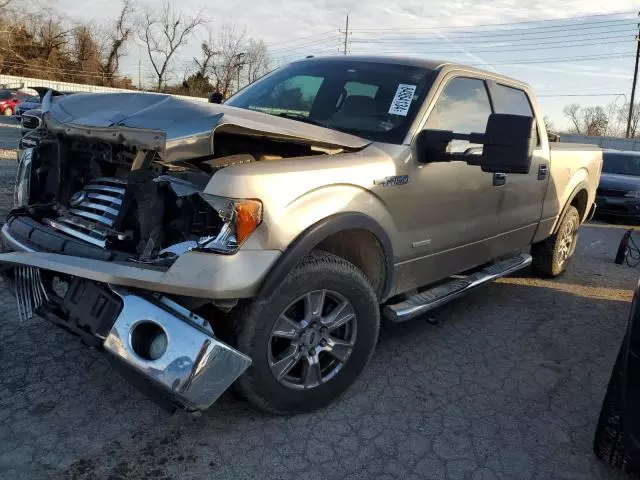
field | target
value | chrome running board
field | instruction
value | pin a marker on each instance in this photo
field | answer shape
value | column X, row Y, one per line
column 30, row 292
column 429, row 299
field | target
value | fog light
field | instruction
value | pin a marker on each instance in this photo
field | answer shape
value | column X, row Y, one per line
column 158, row 346
column 148, row 340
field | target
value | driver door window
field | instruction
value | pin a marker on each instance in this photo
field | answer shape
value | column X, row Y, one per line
column 463, row 107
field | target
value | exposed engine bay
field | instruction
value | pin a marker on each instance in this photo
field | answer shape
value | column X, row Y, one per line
column 130, row 200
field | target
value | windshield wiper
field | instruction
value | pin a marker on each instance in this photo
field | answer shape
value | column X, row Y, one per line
column 302, row 118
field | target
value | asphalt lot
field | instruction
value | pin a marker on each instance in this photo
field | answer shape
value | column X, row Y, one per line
column 503, row 384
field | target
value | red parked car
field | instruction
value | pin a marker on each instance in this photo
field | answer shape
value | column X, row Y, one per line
column 8, row 102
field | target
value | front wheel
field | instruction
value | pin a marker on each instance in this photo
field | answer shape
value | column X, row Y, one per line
column 552, row 256
column 310, row 339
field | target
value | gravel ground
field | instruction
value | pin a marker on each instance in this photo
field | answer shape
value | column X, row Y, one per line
column 503, row 384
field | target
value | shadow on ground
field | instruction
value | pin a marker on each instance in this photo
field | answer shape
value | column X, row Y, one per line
column 507, row 384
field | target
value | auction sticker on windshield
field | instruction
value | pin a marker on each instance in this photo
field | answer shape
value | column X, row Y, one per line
column 402, row 100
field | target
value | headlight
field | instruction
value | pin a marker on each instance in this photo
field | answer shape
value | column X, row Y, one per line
column 633, row 194
column 23, row 179
column 241, row 217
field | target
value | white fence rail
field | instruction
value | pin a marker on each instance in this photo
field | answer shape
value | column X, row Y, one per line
column 11, row 81
column 607, row 143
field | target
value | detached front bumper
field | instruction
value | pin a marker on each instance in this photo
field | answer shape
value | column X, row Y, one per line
column 187, row 365
column 195, row 369
column 191, row 368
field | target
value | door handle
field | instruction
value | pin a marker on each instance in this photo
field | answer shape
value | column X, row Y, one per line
column 543, row 171
column 499, row 179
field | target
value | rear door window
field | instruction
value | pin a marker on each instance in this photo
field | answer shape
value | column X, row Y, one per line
column 515, row 102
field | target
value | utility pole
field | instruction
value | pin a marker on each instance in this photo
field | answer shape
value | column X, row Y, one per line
column 633, row 87
column 139, row 74
column 239, row 65
column 346, row 35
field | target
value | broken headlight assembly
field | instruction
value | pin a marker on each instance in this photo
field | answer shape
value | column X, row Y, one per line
column 23, row 178
column 240, row 218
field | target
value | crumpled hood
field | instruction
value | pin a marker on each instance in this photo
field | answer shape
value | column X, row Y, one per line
column 188, row 126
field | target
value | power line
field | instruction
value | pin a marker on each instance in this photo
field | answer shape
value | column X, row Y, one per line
column 509, row 31
column 517, row 38
column 485, row 50
column 308, row 45
column 555, row 60
column 491, row 25
column 301, row 39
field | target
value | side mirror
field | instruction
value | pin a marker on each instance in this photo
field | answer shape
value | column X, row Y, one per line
column 507, row 145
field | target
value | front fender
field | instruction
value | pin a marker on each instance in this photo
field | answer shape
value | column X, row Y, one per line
column 325, row 202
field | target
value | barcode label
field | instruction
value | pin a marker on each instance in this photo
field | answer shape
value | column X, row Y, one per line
column 402, row 100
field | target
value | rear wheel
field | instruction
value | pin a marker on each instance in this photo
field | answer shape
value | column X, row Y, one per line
column 552, row 257
column 310, row 339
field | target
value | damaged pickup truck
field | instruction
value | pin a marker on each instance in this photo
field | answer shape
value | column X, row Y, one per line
column 259, row 242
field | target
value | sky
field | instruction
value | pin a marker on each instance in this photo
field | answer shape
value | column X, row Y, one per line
column 566, row 59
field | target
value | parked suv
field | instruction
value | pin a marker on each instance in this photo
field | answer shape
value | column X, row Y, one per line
column 260, row 241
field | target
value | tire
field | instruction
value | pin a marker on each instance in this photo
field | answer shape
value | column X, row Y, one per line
column 608, row 442
column 255, row 334
column 552, row 256
column 7, row 112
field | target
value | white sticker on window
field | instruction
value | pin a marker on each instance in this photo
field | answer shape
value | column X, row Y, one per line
column 402, row 100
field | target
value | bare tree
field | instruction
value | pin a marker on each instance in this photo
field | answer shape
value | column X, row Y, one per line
column 591, row 121
column 207, row 54
column 257, row 59
column 163, row 33
column 622, row 118
column 594, row 121
column 232, row 59
column 85, row 51
column 230, row 49
column 115, row 41
column 572, row 112
column 53, row 36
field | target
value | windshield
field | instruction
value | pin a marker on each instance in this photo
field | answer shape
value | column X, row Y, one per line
column 377, row 101
column 622, row 164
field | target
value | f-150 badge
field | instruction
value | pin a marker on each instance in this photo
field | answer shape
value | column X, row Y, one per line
column 392, row 181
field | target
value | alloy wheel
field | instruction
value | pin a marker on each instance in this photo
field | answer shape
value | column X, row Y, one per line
column 312, row 339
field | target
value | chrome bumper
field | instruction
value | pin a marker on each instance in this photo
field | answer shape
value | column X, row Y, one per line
column 192, row 370
column 195, row 369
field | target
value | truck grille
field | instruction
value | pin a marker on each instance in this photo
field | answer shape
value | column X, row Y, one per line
column 93, row 211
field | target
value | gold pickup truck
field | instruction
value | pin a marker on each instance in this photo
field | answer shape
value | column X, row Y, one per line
column 259, row 242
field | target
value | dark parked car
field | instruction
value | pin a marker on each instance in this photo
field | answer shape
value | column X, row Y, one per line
column 28, row 103
column 617, row 438
column 34, row 102
column 618, row 193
